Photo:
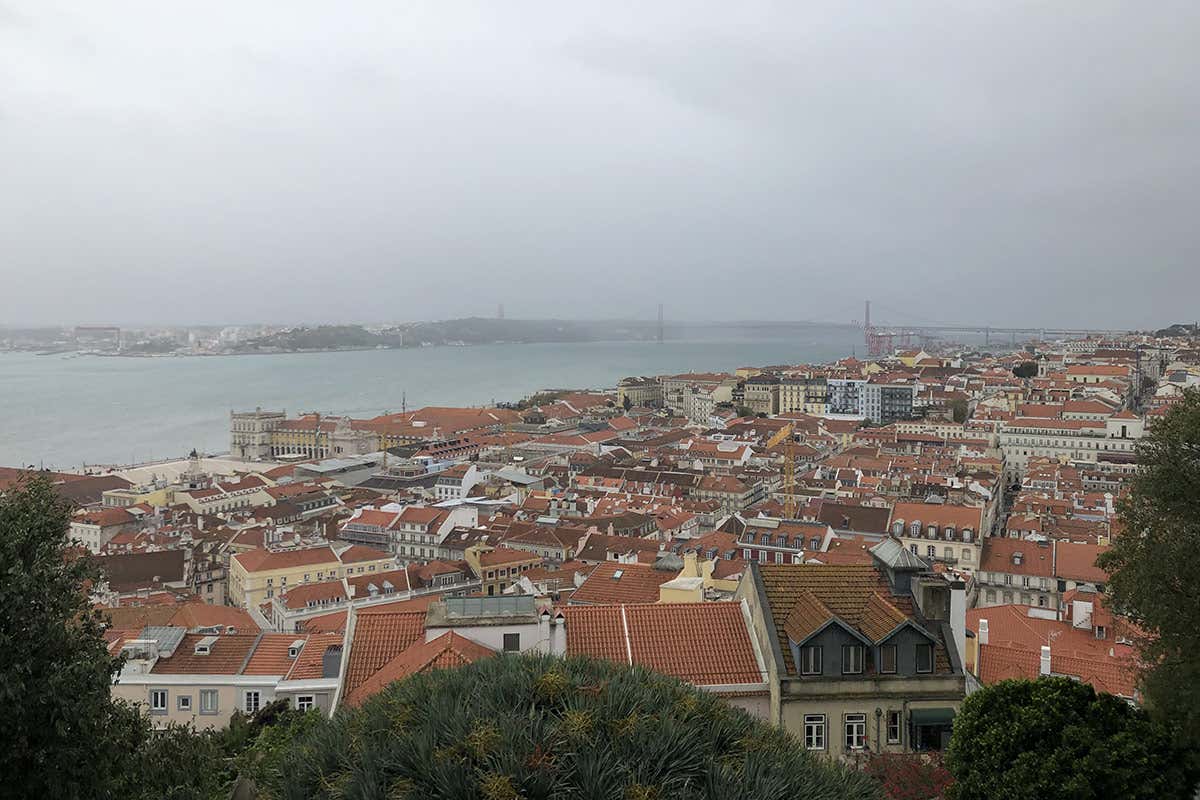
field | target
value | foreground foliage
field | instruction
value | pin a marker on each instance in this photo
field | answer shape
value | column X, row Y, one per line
column 63, row 736
column 1154, row 565
column 1055, row 737
column 538, row 727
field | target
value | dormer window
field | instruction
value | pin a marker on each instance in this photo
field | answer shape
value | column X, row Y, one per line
column 949, row 532
column 966, row 535
column 931, row 531
column 810, row 660
column 898, row 528
column 924, row 657
column 852, row 659
column 915, row 528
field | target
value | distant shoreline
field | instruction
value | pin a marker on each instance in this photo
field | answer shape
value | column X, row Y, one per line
column 311, row 351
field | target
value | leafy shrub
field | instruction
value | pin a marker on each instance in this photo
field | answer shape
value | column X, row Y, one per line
column 539, row 727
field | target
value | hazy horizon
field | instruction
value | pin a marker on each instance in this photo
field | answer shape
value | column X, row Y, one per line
column 1018, row 164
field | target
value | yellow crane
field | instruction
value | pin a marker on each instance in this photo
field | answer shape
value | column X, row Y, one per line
column 789, row 475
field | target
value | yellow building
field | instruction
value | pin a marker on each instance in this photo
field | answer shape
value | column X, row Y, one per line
column 256, row 576
column 150, row 495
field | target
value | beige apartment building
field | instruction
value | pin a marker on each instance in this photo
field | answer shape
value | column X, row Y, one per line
column 860, row 659
column 202, row 679
column 256, row 576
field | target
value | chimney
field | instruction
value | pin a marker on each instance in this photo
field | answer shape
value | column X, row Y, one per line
column 958, row 618
column 983, row 631
column 1044, row 666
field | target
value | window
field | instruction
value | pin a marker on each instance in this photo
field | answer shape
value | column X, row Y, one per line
column 208, row 701
column 856, row 731
column 852, row 659
column 158, row 701
column 924, row 658
column 931, row 551
column 1101, row 632
column 893, row 727
column 887, row 659
column 810, row 660
column 814, row 731
column 913, row 548
column 512, row 642
column 304, row 702
column 253, row 700
column 184, row 702
column 778, row 557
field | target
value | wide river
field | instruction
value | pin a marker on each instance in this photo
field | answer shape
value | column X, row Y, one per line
column 64, row 411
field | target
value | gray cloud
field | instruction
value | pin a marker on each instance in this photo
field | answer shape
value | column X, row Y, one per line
column 1003, row 163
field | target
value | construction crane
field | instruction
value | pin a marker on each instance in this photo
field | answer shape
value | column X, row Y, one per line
column 789, row 475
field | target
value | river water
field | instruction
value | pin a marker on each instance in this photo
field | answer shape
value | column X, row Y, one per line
column 63, row 411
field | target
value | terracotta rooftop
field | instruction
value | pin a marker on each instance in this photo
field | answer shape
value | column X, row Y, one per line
column 310, row 664
column 447, row 651
column 378, row 638
column 226, row 657
column 1076, row 561
column 858, row 595
column 263, row 560
column 613, row 582
column 706, row 644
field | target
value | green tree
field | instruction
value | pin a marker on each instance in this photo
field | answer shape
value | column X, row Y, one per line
column 1026, row 369
column 1154, row 565
column 1055, row 737
column 959, row 409
column 63, row 736
column 538, row 727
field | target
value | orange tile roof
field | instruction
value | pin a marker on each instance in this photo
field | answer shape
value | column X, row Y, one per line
column 262, row 560
column 1014, row 647
column 335, row 621
column 706, row 644
column 310, row 664
column 849, row 592
column 226, row 657
column 357, row 552
column 448, row 651
column 636, row 583
column 378, row 638
column 270, row 656
column 1076, row 561
column 999, row 553
column 202, row 615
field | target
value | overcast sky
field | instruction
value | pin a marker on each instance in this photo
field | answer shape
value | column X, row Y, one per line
column 1002, row 162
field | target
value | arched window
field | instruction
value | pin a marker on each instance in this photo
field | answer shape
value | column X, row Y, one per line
column 898, row 527
column 915, row 528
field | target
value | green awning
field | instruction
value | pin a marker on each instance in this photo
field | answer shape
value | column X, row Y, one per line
column 932, row 716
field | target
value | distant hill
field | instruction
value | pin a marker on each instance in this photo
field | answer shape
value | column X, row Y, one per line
column 1178, row 329
column 472, row 330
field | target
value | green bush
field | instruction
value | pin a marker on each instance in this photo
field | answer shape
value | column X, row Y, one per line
column 1055, row 737
column 539, row 727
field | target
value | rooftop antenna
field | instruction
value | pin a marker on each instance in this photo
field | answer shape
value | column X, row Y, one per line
column 403, row 403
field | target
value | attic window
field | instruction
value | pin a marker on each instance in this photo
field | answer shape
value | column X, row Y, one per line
column 616, row 576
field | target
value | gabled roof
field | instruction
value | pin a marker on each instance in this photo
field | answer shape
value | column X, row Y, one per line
column 447, row 651
column 857, row 596
column 379, row 637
